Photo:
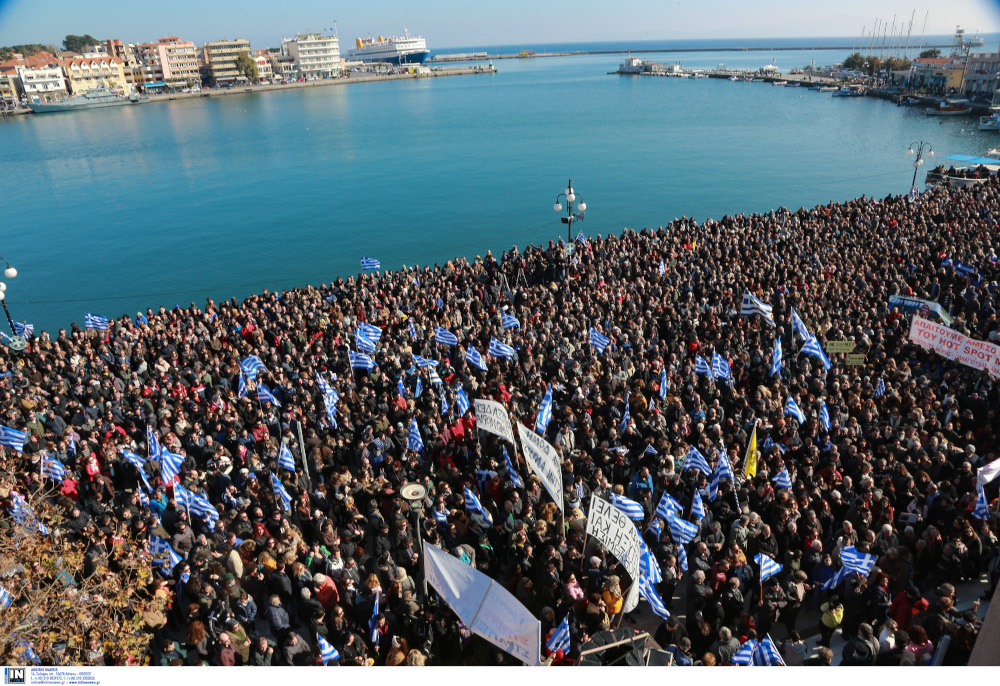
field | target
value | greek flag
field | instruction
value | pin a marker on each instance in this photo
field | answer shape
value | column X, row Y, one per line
column 24, row 515
column 744, row 655
column 662, row 269
column 251, row 365
column 475, row 358
column 913, row 193
column 880, row 388
column 265, row 396
column 419, row 389
column 280, row 493
column 197, row 503
column 400, row 388
column 372, row 333
column 650, row 450
column 95, row 321
column 53, row 468
column 243, row 390
column 682, row 558
column 24, row 329
column 812, row 347
column 768, row 567
column 791, row 408
column 143, row 498
column 511, row 472
column 441, row 517
column 656, row 527
column 544, row 412
column 824, row 416
column 582, row 240
column 422, row 363
column 857, row 561
column 668, row 505
column 444, row 405
column 695, row 460
column 369, row 264
column 413, row 441
column 360, row 361
column 472, row 504
column 723, row 470
column 363, row 344
column 698, row 507
column 682, row 530
column 327, row 653
column 510, row 321
column 781, row 479
column 170, row 466
column 434, row 376
column 835, row 580
column 498, row 349
column 663, row 383
column 152, row 443
column 648, row 566
column 444, row 336
column 330, row 398
column 12, row 438
column 623, row 424
column 5, row 597
column 720, row 368
column 776, row 363
column 439, row 303
column 413, row 329
column 163, row 555
column 766, row 654
column 632, row 509
column 285, row 458
column 559, row 640
column 136, row 462
column 982, row 510
column 752, row 306
column 701, row 366
column 599, row 341
column 798, row 327
column 461, row 401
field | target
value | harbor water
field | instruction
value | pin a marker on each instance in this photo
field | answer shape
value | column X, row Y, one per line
column 115, row 210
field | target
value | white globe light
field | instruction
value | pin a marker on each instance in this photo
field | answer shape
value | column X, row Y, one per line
column 557, row 207
column 930, row 153
column 570, row 197
column 919, row 162
column 569, row 190
column 10, row 272
column 910, row 151
column 2, row 295
column 582, row 206
column 3, row 286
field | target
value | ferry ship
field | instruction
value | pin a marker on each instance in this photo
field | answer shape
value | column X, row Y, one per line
column 405, row 49
column 90, row 100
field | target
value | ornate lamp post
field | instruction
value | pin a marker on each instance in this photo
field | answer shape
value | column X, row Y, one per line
column 920, row 158
column 570, row 197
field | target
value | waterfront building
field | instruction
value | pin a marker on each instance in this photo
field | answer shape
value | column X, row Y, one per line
column 265, row 72
column 126, row 54
column 168, row 62
column 316, row 56
column 40, row 77
column 10, row 92
column 983, row 73
column 283, row 67
column 88, row 73
column 219, row 61
column 936, row 73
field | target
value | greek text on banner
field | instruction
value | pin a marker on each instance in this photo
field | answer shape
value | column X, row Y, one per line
column 618, row 534
column 492, row 416
column 544, row 462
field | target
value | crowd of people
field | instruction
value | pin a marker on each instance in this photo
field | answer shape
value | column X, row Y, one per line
column 268, row 583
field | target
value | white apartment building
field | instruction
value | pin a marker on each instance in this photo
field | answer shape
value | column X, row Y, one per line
column 317, row 57
column 43, row 82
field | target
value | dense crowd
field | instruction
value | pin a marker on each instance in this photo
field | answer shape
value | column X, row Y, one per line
column 894, row 476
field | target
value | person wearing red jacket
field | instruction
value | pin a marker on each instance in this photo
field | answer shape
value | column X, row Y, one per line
column 907, row 605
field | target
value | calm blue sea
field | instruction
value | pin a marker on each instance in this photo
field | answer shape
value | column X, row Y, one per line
column 114, row 210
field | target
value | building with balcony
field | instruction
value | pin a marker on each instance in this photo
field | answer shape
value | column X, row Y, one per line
column 265, row 72
column 10, row 90
column 936, row 74
column 89, row 73
column 168, row 62
column 983, row 73
column 39, row 77
column 316, row 56
column 219, row 61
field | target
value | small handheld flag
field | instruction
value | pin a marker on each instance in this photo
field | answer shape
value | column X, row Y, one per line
column 559, row 640
column 370, row 264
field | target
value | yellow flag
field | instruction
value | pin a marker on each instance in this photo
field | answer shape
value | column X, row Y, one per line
column 750, row 463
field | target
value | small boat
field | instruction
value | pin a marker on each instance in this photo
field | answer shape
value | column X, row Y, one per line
column 734, row 78
column 911, row 101
column 990, row 122
column 827, row 89
column 949, row 108
column 850, row 92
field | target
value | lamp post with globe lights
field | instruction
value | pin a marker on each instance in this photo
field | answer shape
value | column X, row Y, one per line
column 570, row 197
column 15, row 342
column 920, row 158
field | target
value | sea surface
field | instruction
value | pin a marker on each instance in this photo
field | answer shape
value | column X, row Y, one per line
column 115, row 210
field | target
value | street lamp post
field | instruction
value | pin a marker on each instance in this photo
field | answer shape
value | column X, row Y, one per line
column 570, row 197
column 920, row 158
column 10, row 273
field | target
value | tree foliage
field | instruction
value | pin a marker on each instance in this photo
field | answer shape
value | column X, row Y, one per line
column 8, row 52
column 854, row 61
column 72, row 600
column 931, row 53
column 78, row 43
column 246, row 65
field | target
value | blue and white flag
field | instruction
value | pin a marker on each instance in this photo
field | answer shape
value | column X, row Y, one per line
column 363, row 343
column 662, row 269
column 5, row 597
column 422, row 363
column 698, row 507
column 400, row 388
column 327, row 653
column 413, row 329
column 632, row 509
column 723, row 470
column 24, row 515
column 650, row 450
column 136, row 462
column 439, row 303
column 475, row 358
column 251, row 366
column 781, row 479
column 835, row 580
column 776, row 363
column 95, row 321
column 824, row 416
column 441, row 518
column 12, row 438
column 515, row 478
column 419, row 389
column 330, row 398
column 163, row 554
column 656, row 527
column 280, row 493
column 197, row 503
column 982, row 510
column 599, row 341
column 720, row 368
column 265, row 396
column 752, row 306
column 768, row 567
column 682, row 558
column 682, row 530
column 701, row 366
column 791, row 408
column 413, row 441
column 243, row 391
column 444, row 405
column 623, row 424
column 285, row 458
column 373, row 633
column 472, row 504
column 667, row 505
column 360, row 361
column 559, row 640
column 582, row 240
column 766, row 654
column 663, row 383
column 812, row 347
column 434, row 377
column 510, row 321
column 372, row 333
column 498, row 349
column 369, row 264
column 53, row 468
column 799, row 327
column 880, row 388
column 24, row 329
column 461, row 401
column 444, row 336
column 744, row 656
column 856, row 561
column 649, row 568
column 695, row 460
column 544, row 412
column 152, row 444
column 170, row 466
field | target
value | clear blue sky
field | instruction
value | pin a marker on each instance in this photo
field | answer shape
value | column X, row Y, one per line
column 459, row 23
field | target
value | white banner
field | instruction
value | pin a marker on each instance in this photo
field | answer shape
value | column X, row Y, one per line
column 618, row 534
column 953, row 345
column 544, row 462
column 492, row 416
column 485, row 606
column 905, row 303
